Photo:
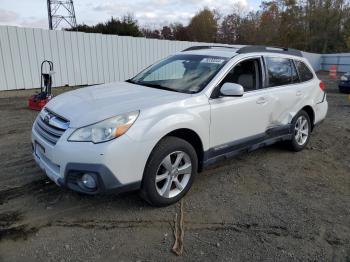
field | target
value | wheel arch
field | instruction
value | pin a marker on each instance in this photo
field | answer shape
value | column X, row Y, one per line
column 311, row 113
column 194, row 139
column 189, row 136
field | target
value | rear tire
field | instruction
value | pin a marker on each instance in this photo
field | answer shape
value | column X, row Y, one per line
column 170, row 171
column 301, row 130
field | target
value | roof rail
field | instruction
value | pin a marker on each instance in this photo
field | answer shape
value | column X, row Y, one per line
column 199, row 47
column 259, row 48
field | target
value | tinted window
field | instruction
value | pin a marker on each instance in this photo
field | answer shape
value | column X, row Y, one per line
column 279, row 71
column 304, row 72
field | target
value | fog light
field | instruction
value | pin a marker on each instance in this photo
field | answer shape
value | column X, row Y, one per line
column 89, row 181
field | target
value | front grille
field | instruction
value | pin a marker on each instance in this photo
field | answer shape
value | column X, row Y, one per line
column 50, row 126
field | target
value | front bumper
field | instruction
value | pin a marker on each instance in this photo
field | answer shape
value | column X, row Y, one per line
column 112, row 163
column 106, row 181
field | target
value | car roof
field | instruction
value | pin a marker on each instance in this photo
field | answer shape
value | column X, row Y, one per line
column 233, row 50
column 221, row 52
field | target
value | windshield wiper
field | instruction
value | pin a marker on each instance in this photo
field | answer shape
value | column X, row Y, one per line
column 158, row 86
column 130, row 81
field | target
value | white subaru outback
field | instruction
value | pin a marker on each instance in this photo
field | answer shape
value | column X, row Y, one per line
column 154, row 132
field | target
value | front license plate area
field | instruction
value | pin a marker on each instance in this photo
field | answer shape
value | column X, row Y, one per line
column 39, row 150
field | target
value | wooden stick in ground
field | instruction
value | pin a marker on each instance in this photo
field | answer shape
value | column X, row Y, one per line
column 179, row 232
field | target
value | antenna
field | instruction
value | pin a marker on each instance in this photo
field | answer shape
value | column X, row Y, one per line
column 61, row 11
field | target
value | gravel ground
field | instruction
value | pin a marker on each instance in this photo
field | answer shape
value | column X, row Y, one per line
column 270, row 204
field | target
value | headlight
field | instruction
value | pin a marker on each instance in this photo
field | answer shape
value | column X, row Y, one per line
column 105, row 130
column 344, row 78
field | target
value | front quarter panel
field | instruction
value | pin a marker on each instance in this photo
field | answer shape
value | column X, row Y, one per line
column 191, row 113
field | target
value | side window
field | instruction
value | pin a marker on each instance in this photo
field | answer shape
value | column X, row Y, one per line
column 304, row 72
column 295, row 77
column 279, row 71
column 246, row 73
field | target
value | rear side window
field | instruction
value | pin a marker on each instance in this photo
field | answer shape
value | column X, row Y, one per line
column 280, row 71
column 305, row 73
column 295, row 77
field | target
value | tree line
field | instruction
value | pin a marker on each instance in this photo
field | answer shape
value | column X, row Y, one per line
column 321, row 26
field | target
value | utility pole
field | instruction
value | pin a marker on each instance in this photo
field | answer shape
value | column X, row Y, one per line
column 61, row 12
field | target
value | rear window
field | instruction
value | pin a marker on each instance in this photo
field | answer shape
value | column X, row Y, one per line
column 280, row 71
column 305, row 73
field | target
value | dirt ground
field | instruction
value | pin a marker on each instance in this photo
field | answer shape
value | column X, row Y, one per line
column 270, row 205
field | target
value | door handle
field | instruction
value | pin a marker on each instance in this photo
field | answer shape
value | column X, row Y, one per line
column 261, row 100
column 299, row 93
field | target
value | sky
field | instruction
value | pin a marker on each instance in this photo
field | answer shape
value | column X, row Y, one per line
column 149, row 13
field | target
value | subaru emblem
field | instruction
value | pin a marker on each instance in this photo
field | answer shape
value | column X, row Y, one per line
column 47, row 118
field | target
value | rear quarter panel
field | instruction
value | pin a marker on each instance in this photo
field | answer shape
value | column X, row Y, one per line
column 288, row 103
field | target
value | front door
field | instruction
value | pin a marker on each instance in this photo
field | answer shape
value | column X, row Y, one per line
column 238, row 120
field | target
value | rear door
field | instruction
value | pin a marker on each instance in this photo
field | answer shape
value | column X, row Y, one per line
column 285, row 89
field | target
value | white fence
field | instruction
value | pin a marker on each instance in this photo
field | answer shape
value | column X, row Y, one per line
column 80, row 58
column 314, row 60
column 341, row 60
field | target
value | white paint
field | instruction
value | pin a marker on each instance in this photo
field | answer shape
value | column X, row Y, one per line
column 217, row 121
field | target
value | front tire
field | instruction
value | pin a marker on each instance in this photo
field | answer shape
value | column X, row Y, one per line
column 170, row 171
column 301, row 126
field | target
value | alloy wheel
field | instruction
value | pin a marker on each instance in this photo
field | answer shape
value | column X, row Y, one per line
column 301, row 130
column 173, row 174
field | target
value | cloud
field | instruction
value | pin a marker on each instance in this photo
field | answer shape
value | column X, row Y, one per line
column 151, row 13
column 8, row 17
column 34, row 22
column 159, row 12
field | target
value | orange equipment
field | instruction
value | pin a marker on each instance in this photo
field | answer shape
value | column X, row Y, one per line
column 333, row 71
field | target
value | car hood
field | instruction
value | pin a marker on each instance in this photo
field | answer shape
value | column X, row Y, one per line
column 89, row 105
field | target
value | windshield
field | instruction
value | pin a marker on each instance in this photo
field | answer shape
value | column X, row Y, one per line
column 181, row 73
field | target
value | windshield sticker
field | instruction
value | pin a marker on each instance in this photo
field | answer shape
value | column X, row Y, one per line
column 212, row 60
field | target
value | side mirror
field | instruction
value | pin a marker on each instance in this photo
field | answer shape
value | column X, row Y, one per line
column 231, row 89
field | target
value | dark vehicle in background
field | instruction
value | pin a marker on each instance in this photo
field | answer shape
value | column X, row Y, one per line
column 344, row 84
